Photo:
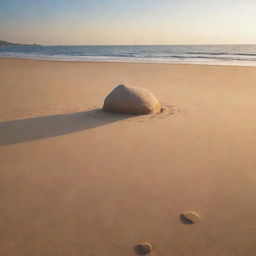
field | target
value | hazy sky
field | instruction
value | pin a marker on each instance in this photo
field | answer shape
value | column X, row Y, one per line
column 128, row 21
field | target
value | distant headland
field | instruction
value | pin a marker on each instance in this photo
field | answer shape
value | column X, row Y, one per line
column 4, row 43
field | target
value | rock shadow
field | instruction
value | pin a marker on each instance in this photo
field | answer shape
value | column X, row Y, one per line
column 22, row 130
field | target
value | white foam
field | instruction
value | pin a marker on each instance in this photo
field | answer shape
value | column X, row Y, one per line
column 166, row 60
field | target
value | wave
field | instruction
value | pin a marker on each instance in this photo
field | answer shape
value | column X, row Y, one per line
column 208, row 53
column 246, row 54
column 222, row 53
column 199, row 57
column 216, row 55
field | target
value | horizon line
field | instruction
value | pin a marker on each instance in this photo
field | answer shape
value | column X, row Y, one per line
column 195, row 44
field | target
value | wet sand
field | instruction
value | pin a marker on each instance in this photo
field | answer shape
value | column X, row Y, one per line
column 76, row 181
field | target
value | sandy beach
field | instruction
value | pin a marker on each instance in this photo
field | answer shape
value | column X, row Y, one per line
column 77, row 181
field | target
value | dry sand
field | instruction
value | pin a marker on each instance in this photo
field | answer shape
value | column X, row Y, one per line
column 76, row 181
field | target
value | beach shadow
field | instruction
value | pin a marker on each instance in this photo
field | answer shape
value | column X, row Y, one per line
column 17, row 131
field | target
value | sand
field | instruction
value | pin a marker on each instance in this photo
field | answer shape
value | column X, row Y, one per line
column 76, row 181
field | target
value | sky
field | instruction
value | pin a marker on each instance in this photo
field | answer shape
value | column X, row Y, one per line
column 128, row 22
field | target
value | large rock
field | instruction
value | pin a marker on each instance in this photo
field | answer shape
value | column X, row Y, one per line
column 131, row 100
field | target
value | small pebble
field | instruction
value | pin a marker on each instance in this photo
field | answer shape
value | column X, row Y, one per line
column 143, row 248
column 189, row 217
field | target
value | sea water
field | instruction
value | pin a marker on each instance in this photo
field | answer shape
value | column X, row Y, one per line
column 242, row 55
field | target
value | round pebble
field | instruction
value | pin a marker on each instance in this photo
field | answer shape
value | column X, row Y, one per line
column 143, row 248
column 189, row 217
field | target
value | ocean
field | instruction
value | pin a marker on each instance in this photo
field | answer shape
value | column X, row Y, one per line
column 241, row 55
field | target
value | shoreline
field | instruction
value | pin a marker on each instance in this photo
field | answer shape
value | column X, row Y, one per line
column 130, row 62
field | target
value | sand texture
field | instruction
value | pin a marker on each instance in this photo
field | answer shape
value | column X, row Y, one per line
column 76, row 181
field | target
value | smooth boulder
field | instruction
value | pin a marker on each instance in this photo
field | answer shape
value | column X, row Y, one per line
column 131, row 100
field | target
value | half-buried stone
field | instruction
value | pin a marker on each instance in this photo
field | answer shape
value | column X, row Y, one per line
column 143, row 248
column 131, row 100
column 189, row 217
